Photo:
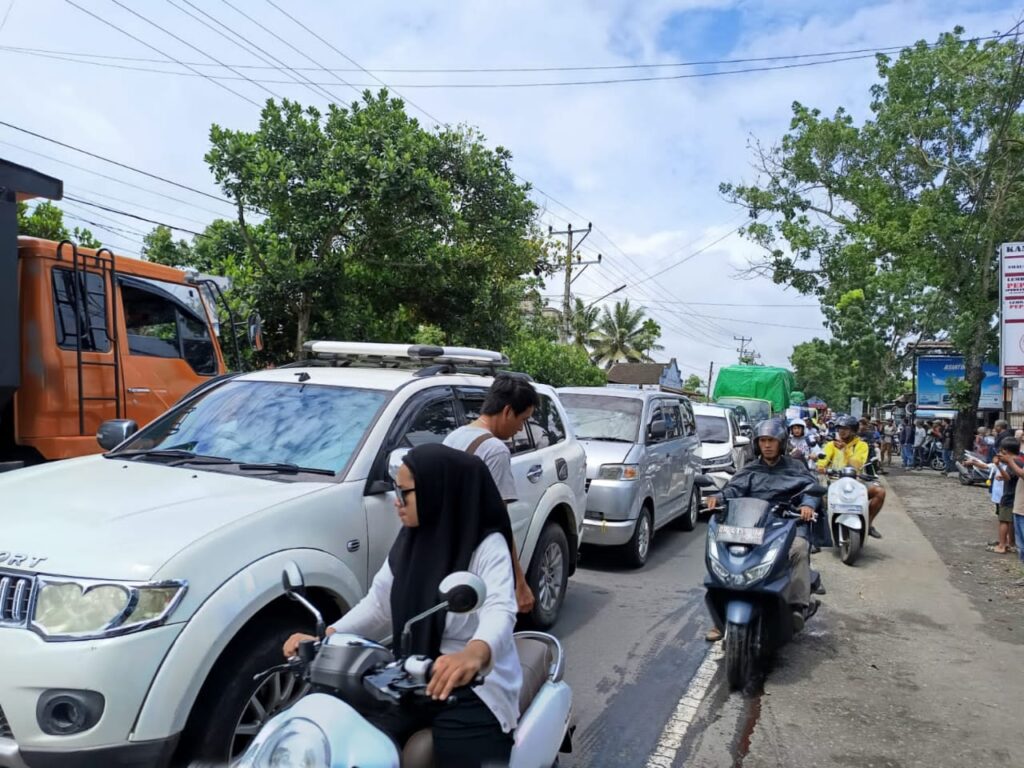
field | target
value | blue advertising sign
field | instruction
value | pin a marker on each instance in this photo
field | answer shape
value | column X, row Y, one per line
column 933, row 374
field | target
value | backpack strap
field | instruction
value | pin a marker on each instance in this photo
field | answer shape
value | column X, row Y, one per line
column 472, row 449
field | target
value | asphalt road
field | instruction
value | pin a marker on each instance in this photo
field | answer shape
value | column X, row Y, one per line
column 634, row 639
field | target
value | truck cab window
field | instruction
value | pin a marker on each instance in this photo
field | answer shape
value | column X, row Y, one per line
column 159, row 327
column 92, row 315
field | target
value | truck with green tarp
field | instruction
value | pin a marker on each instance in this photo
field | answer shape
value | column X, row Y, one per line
column 773, row 386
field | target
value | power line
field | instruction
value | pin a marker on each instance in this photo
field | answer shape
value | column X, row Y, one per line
column 254, row 50
column 154, row 48
column 114, row 162
column 193, row 47
column 516, row 69
column 133, row 216
column 111, row 178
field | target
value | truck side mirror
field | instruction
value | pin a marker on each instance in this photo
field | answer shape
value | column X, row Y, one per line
column 254, row 331
column 114, row 432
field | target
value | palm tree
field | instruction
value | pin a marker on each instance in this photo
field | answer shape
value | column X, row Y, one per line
column 623, row 336
column 583, row 323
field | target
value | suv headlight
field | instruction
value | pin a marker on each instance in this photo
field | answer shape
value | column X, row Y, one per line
column 618, row 472
column 84, row 609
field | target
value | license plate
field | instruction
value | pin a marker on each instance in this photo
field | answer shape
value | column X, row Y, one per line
column 850, row 508
column 732, row 534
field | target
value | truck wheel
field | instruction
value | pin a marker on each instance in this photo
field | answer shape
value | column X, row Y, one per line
column 638, row 547
column 548, row 575
column 231, row 707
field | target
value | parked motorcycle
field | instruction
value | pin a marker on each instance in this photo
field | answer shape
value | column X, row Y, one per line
column 346, row 672
column 931, row 455
column 848, row 512
column 748, row 580
column 970, row 474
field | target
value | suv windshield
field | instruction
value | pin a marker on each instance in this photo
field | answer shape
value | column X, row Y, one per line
column 260, row 422
column 712, row 429
column 597, row 417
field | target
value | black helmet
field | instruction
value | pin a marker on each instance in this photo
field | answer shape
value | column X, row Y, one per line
column 848, row 422
column 773, row 428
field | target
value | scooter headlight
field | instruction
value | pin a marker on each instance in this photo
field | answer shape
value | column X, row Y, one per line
column 719, row 570
column 297, row 743
column 756, row 573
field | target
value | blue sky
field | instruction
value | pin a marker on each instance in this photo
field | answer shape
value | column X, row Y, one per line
column 643, row 161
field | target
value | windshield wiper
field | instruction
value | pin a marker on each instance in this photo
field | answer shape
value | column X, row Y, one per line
column 282, row 466
column 604, row 439
column 156, row 453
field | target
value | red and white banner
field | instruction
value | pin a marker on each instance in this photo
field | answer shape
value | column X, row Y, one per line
column 1011, row 314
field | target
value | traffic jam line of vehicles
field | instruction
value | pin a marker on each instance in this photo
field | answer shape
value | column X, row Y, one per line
column 160, row 560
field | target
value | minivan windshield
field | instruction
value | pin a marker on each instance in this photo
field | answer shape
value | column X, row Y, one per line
column 245, row 425
column 601, row 417
column 712, row 429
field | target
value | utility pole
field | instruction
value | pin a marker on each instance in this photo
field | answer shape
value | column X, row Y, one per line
column 567, row 295
column 711, row 373
column 743, row 340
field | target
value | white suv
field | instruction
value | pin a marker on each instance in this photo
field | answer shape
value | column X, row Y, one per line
column 140, row 591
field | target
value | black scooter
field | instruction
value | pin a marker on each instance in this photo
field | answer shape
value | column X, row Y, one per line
column 748, row 579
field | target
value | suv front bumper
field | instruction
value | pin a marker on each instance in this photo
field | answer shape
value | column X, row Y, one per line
column 120, row 669
column 147, row 754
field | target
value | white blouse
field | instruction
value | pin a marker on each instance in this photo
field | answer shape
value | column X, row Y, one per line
column 492, row 623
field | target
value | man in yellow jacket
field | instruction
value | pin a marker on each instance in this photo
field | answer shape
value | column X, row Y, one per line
column 848, row 450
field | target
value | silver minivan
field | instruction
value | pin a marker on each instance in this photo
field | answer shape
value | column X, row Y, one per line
column 642, row 457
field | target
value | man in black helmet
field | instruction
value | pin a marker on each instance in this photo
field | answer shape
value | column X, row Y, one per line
column 777, row 478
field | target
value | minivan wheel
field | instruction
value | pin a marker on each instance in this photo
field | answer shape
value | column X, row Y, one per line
column 548, row 575
column 639, row 546
column 688, row 520
column 232, row 707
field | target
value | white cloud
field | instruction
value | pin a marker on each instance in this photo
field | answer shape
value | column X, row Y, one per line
column 642, row 161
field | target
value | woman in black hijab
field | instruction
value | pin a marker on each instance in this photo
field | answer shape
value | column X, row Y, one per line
column 453, row 519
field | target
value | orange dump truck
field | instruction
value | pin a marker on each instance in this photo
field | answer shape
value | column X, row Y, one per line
column 87, row 336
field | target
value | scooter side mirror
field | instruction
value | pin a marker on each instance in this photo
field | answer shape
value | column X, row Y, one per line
column 395, row 459
column 703, row 481
column 817, row 491
column 464, row 592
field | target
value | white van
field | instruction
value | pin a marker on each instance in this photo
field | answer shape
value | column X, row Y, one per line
column 140, row 590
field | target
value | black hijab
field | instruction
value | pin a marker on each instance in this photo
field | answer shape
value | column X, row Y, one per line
column 458, row 506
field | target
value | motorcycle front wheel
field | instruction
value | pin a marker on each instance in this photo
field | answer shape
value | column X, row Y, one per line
column 850, row 543
column 741, row 655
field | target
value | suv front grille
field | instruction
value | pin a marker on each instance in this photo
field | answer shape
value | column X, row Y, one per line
column 15, row 598
column 5, row 728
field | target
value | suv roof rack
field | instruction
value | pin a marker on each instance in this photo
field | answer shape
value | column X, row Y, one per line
column 431, row 360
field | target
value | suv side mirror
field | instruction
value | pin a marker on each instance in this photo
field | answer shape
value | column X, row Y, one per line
column 113, row 432
column 741, row 441
column 657, row 430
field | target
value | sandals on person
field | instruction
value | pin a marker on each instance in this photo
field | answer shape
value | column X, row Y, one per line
column 996, row 550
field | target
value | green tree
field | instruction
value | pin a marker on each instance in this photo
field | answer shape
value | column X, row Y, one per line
column 908, row 207
column 584, row 325
column 559, row 365
column 651, row 332
column 693, row 383
column 623, row 336
column 46, row 221
column 371, row 226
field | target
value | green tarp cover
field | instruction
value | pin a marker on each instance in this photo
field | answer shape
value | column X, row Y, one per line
column 796, row 398
column 757, row 381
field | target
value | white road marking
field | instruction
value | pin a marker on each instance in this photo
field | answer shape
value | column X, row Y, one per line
column 664, row 754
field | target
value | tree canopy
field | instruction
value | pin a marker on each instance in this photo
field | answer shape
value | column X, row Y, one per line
column 45, row 220
column 894, row 223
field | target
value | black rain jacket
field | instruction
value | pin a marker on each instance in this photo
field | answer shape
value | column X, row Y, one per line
column 776, row 483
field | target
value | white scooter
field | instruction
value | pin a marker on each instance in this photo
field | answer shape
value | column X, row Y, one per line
column 325, row 730
column 848, row 512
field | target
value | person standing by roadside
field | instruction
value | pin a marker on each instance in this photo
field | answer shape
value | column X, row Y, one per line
column 1002, row 431
column 1008, row 460
column 980, row 446
column 948, row 433
column 906, row 438
column 889, row 434
column 919, row 437
column 509, row 404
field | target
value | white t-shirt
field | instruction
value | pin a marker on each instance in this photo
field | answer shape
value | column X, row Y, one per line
column 493, row 623
column 495, row 455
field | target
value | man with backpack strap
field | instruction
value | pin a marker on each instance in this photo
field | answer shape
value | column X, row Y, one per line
column 509, row 404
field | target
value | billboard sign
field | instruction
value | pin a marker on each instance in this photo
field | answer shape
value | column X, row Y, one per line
column 1011, row 310
column 934, row 373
